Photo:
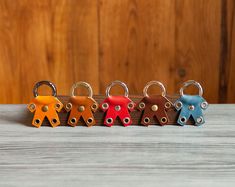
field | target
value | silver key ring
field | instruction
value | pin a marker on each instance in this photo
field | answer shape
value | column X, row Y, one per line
column 191, row 82
column 84, row 84
column 117, row 83
column 48, row 83
column 145, row 90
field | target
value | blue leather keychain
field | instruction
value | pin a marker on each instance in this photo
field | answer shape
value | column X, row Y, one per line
column 191, row 105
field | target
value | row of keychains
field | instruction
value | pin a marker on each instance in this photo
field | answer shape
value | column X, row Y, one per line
column 117, row 106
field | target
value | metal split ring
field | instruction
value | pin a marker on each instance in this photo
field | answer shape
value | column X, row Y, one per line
column 84, row 84
column 191, row 82
column 117, row 83
column 48, row 83
column 145, row 90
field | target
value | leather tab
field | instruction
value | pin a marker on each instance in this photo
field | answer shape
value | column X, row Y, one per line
column 191, row 106
column 154, row 106
column 117, row 106
column 45, row 107
column 81, row 107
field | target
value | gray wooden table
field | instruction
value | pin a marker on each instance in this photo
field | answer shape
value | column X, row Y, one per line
column 117, row 156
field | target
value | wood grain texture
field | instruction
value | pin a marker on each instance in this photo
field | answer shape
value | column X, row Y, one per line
column 135, row 41
column 197, row 43
column 46, row 40
column 118, row 156
column 140, row 46
column 231, row 47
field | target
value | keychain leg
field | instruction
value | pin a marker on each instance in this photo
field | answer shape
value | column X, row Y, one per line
column 37, row 119
column 198, row 117
column 183, row 117
column 109, row 118
column 162, row 118
column 89, row 118
column 73, row 119
column 125, row 117
column 54, row 119
column 145, row 119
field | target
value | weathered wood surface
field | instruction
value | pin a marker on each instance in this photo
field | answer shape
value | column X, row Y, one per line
column 117, row 156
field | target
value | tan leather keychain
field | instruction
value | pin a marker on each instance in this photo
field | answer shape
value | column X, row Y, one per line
column 45, row 106
column 81, row 106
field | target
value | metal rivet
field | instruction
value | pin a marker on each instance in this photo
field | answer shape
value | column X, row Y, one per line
column 81, row 108
column 54, row 120
column 200, row 120
column 167, row 105
column 32, row 106
column 45, row 108
column 204, row 105
column 90, row 120
column 68, row 106
column 154, row 108
column 191, row 107
column 109, row 120
column 163, row 119
column 183, row 119
column 57, row 106
column 142, row 105
column 146, row 120
column 126, row 120
column 178, row 105
column 73, row 120
column 94, row 106
column 37, row 121
column 130, row 105
column 105, row 105
column 117, row 107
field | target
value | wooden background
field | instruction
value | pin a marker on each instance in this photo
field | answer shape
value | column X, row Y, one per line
column 99, row 41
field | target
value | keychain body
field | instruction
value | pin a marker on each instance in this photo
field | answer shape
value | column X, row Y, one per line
column 154, row 106
column 81, row 106
column 45, row 107
column 117, row 106
column 191, row 105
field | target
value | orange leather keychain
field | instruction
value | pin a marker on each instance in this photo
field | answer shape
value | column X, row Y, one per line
column 45, row 106
column 81, row 106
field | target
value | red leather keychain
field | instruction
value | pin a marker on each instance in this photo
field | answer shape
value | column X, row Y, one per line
column 81, row 106
column 45, row 106
column 155, row 105
column 117, row 106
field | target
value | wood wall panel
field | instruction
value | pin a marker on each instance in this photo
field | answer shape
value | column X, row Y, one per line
column 137, row 42
column 170, row 41
column 52, row 40
column 197, row 48
column 231, row 52
column 99, row 41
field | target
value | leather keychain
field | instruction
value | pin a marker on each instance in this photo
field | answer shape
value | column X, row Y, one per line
column 45, row 106
column 154, row 106
column 191, row 105
column 117, row 106
column 81, row 106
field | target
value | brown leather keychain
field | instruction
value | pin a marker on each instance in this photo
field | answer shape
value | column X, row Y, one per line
column 81, row 106
column 45, row 106
column 155, row 105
